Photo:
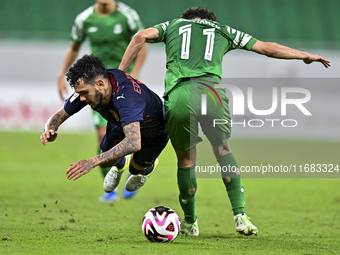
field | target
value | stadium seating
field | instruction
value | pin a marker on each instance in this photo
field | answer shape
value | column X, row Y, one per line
column 303, row 23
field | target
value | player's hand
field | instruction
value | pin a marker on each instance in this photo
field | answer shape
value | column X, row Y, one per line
column 48, row 136
column 62, row 87
column 316, row 58
column 78, row 169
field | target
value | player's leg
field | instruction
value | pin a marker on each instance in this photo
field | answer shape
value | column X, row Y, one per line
column 232, row 181
column 187, row 185
column 218, row 136
column 183, row 135
column 144, row 161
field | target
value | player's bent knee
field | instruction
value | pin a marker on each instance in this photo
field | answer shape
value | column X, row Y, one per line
column 192, row 191
column 227, row 179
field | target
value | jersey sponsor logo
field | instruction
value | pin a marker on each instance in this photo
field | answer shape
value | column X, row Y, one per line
column 122, row 96
column 117, row 29
column 92, row 29
column 74, row 97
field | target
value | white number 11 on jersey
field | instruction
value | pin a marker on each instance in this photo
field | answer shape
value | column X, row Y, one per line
column 209, row 48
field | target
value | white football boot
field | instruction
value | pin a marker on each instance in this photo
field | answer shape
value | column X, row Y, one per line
column 244, row 226
column 135, row 182
column 113, row 177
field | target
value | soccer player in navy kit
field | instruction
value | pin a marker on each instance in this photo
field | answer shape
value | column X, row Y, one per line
column 108, row 25
column 135, row 118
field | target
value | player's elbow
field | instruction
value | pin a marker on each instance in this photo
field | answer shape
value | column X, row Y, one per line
column 270, row 50
column 140, row 37
column 136, row 146
column 133, row 145
column 148, row 35
column 75, row 47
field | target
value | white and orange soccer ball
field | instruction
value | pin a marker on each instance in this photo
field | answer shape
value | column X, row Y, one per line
column 161, row 224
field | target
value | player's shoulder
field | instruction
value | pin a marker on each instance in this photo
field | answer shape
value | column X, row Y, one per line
column 123, row 6
column 126, row 96
column 170, row 23
column 119, row 75
column 126, row 9
column 177, row 21
column 131, row 17
column 81, row 17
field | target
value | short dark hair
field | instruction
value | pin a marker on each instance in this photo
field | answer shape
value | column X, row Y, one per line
column 198, row 12
column 86, row 68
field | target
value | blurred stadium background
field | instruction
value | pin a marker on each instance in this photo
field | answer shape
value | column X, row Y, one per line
column 35, row 36
column 295, row 216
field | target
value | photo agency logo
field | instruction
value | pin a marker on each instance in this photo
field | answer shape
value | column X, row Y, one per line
column 204, row 97
column 283, row 109
column 278, row 101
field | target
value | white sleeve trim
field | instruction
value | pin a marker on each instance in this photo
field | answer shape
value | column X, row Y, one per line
column 78, row 33
column 164, row 27
column 245, row 40
column 134, row 21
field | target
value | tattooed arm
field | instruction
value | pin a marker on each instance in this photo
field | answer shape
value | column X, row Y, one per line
column 130, row 144
column 50, row 132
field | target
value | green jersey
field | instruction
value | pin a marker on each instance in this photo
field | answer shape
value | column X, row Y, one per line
column 109, row 35
column 196, row 48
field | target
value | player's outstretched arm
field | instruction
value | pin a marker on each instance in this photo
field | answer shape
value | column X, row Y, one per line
column 50, row 131
column 130, row 144
column 148, row 35
column 275, row 50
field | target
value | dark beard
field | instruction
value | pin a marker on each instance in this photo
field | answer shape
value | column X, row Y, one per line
column 98, row 96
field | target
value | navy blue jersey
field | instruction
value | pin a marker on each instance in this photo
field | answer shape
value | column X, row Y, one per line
column 131, row 101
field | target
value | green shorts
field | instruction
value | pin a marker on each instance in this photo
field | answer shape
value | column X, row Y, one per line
column 98, row 120
column 184, row 110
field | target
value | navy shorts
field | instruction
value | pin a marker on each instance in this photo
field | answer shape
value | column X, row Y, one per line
column 151, row 147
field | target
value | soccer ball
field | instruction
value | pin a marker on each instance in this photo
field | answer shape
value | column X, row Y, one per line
column 161, row 224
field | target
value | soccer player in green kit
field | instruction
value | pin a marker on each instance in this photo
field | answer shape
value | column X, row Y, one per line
column 195, row 46
column 109, row 25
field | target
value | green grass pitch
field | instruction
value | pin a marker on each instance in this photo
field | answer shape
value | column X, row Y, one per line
column 41, row 212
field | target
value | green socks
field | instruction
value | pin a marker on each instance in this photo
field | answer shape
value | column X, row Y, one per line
column 234, row 187
column 186, row 199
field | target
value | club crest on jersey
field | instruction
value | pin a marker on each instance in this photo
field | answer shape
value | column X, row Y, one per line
column 92, row 29
column 115, row 115
column 117, row 29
